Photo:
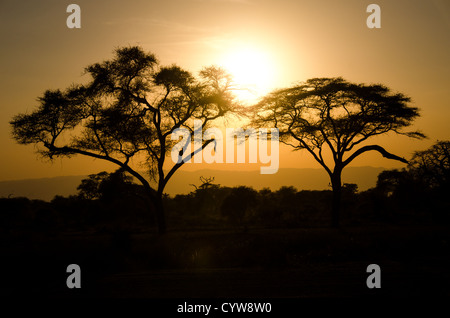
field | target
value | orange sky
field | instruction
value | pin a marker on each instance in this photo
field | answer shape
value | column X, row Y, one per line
column 298, row 39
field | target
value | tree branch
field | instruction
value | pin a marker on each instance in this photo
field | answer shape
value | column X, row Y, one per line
column 380, row 149
column 125, row 166
column 305, row 146
column 178, row 165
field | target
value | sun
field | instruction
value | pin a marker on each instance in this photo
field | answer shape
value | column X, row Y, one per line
column 252, row 71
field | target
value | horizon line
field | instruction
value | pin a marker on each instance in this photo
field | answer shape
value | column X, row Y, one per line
column 192, row 171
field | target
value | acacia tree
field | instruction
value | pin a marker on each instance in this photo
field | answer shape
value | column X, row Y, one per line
column 333, row 116
column 128, row 111
column 432, row 165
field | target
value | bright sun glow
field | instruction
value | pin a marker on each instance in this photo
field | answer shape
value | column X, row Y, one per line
column 252, row 71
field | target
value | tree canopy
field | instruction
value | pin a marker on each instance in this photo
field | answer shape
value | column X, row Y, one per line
column 333, row 116
column 432, row 165
column 128, row 110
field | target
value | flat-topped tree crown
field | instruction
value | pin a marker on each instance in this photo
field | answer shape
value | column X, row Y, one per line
column 128, row 109
column 332, row 115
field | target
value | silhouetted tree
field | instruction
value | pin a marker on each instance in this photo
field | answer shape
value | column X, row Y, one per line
column 422, row 188
column 206, row 183
column 432, row 165
column 89, row 188
column 395, row 181
column 116, row 185
column 128, row 110
column 238, row 203
column 268, row 210
column 350, row 188
column 335, row 116
column 207, row 196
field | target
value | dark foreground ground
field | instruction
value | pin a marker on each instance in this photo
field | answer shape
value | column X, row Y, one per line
column 261, row 263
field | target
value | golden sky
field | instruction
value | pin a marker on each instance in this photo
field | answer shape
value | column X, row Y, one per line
column 289, row 41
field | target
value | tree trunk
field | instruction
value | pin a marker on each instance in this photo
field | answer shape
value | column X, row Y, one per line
column 160, row 215
column 336, row 203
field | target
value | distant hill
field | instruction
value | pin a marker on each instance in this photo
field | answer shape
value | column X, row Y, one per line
column 302, row 179
column 43, row 188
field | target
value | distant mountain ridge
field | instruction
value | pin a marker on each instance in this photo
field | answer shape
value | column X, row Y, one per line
column 181, row 182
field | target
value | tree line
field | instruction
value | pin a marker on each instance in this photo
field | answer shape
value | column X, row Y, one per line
column 108, row 202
